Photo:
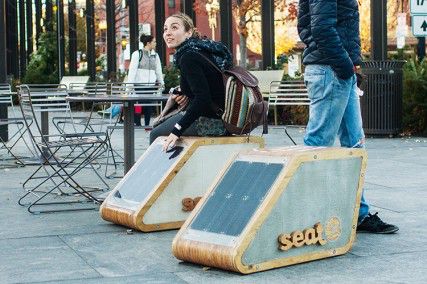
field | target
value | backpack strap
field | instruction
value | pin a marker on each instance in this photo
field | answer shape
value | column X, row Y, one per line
column 218, row 111
column 140, row 55
column 210, row 61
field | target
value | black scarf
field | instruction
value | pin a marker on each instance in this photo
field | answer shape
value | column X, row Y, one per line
column 219, row 52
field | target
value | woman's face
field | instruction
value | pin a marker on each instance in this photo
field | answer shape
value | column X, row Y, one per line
column 174, row 32
column 152, row 44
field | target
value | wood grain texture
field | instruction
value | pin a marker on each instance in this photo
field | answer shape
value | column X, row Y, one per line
column 229, row 257
column 118, row 215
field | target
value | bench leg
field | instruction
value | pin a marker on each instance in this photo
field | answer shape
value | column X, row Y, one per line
column 275, row 115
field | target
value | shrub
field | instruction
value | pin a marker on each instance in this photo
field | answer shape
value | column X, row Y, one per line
column 43, row 65
column 171, row 77
column 415, row 97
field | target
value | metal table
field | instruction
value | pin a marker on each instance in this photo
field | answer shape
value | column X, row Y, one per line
column 128, row 111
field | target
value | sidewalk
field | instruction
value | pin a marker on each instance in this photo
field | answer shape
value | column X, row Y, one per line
column 80, row 247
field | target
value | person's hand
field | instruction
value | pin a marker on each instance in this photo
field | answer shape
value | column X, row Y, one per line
column 170, row 141
column 361, row 78
column 181, row 100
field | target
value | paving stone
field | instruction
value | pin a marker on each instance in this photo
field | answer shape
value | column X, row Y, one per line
column 391, row 198
column 59, row 223
column 391, row 173
column 152, row 277
column 407, row 268
column 39, row 259
column 410, row 237
column 120, row 254
column 412, row 154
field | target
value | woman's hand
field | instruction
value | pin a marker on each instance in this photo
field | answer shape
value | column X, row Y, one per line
column 170, row 141
column 181, row 100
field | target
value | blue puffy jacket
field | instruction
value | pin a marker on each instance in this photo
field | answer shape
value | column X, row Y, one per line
column 330, row 31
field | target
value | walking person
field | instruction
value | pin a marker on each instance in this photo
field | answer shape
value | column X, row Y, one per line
column 145, row 67
column 332, row 56
column 200, row 83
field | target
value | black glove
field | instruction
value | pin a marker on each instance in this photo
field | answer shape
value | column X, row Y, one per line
column 361, row 80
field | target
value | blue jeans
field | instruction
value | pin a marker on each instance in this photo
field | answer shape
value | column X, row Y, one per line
column 334, row 111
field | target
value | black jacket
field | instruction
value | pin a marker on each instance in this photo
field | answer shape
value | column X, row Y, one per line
column 203, row 84
column 330, row 31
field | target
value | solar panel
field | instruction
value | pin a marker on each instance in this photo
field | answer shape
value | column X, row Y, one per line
column 237, row 196
column 151, row 171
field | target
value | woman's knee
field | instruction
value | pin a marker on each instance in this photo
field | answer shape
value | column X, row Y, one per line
column 160, row 130
column 154, row 134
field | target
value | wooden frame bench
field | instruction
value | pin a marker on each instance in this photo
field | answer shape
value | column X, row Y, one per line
column 265, row 77
column 287, row 93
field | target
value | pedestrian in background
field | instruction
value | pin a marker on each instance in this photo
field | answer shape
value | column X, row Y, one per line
column 145, row 67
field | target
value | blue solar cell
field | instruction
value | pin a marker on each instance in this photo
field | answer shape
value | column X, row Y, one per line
column 237, row 196
column 149, row 173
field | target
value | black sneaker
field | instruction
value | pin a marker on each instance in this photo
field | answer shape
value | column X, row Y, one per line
column 373, row 224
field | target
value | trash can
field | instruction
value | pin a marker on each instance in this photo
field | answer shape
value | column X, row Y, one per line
column 382, row 103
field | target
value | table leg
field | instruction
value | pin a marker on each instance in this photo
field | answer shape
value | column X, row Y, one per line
column 129, row 136
column 4, row 134
column 44, row 125
column 45, row 129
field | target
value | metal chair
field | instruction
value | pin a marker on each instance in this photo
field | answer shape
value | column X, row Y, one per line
column 54, row 183
column 6, row 98
column 138, row 89
column 96, row 124
column 131, row 89
column 89, row 122
column 60, row 105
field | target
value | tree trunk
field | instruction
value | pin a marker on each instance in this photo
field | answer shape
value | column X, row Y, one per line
column 243, row 51
column 243, row 38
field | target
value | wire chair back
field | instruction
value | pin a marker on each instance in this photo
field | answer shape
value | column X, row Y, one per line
column 6, row 94
column 48, row 98
column 38, row 99
column 138, row 89
column 90, row 88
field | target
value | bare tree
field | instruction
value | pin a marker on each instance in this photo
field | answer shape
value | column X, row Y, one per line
column 145, row 8
column 247, row 11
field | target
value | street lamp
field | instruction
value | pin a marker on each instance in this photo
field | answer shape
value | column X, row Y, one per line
column 102, row 25
column 212, row 7
column 124, row 42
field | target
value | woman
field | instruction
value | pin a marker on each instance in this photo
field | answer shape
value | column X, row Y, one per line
column 201, row 84
column 145, row 67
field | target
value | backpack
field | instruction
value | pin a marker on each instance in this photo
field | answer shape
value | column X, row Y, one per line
column 244, row 108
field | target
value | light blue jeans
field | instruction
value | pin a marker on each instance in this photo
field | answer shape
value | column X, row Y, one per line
column 334, row 110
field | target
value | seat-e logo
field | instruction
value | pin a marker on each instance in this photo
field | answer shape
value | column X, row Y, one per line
column 309, row 236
